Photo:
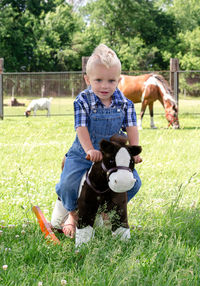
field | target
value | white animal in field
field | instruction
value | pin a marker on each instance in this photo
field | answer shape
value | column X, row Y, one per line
column 39, row 104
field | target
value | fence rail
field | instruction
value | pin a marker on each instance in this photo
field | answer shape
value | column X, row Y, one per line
column 42, row 84
column 67, row 84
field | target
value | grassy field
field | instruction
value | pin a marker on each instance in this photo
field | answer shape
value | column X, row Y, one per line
column 165, row 215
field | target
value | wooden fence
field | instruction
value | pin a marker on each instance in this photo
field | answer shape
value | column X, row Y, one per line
column 62, row 84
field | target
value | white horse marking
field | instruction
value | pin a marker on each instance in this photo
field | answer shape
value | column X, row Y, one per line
column 122, row 79
column 154, row 81
column 122, row 157
column 122, row 180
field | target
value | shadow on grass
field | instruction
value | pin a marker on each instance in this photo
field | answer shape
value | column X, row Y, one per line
column 175, row 130
column 190, row 128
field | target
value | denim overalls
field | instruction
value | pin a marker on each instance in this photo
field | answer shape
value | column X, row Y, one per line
column 103, row 124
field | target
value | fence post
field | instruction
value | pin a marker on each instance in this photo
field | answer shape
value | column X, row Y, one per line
column 84, row 62
column 1, row 87
column 174, row 77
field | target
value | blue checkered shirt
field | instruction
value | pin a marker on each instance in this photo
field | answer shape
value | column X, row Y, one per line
column 88, row 99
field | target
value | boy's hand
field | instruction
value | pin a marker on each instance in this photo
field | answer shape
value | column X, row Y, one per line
column 137, row 159
column 94, row 155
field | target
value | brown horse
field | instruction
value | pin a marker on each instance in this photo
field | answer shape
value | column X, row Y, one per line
column 146, row 89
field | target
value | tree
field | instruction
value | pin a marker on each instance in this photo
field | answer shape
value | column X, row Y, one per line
column 120, row 22
column 54, row 39
column 53, row 35
column 37, row 35
column 15, row 38
column 186, row 13
column 190, row 50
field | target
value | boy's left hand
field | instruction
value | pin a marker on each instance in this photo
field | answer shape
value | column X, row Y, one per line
column 137, row 159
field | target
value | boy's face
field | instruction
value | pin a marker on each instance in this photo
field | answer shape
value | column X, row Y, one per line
column 103, row 80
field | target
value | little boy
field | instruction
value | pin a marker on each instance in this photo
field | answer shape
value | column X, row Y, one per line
column 100, row 112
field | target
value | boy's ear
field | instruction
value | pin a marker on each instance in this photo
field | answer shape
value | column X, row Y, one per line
column 86, row 78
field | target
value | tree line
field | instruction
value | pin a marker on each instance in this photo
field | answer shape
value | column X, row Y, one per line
column 53, row 35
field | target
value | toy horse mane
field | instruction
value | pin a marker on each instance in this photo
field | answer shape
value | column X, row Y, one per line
column 121, row 139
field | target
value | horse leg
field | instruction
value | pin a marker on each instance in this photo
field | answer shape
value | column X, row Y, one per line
column 87, row 210
column 142, row 112
column 119, row 219
column 152, row 125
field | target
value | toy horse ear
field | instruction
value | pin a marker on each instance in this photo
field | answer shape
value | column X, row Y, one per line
column 135, row 150
column 106, row 146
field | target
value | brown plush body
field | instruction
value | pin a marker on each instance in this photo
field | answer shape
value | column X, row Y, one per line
column 95, row 191
column 89, row 202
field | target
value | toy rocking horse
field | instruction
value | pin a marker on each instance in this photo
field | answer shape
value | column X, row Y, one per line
column 105, row 184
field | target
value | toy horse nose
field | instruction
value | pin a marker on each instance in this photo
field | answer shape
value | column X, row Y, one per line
column 121, row 181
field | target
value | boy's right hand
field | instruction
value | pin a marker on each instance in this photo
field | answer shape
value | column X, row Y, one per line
column 94, row 155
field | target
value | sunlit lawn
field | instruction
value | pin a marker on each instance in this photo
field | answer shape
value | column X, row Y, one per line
column 165, row 245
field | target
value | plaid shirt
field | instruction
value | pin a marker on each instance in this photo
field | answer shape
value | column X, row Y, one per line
column 87, row 99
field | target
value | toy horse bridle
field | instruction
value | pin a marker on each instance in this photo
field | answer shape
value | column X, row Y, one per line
column 108, row 173
column 114, row 169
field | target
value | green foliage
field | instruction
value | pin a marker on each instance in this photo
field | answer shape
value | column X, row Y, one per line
column 34, row 35
column 53, row 35
column 187, row 13
column 122, row 22
column 15, row 35
column 190, row 49
column 187, row 18
column 189, row 84
column 135, row 56
column 54, row 40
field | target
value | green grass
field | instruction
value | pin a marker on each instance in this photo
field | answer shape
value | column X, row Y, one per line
column 165, row 242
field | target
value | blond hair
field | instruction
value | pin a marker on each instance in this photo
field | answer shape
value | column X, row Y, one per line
column 105, row 56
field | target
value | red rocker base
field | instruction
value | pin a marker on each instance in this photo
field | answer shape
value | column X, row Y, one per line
column 44, row 225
